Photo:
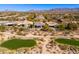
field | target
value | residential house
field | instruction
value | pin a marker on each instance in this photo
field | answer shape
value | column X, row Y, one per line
column 39, row 24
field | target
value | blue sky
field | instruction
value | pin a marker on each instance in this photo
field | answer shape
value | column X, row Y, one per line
column 26, row 7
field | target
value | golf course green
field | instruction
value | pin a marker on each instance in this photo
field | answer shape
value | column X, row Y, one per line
column 18, row 43
column 67, row 41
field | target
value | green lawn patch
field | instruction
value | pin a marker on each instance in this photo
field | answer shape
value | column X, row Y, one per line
column 18, row 43
column 67, row 41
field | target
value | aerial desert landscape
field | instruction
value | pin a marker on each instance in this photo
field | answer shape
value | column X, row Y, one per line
column 51, row 31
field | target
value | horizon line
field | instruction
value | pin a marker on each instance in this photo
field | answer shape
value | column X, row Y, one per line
column 34, row 9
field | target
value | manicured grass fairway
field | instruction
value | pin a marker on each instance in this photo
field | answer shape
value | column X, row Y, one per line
column 67, row 41
column 18, row 43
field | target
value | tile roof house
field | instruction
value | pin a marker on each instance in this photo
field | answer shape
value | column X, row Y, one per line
column 39, row 24
column 52, row 24
column 40, row 17
column 7, row 23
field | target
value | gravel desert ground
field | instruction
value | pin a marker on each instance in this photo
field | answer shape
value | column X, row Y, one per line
column 49, row 31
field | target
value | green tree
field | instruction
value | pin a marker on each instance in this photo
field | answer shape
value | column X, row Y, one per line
column 2, row 28
column 72, row 26
column 31, row 17
column 61, row 27
column 45, row 27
